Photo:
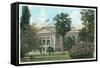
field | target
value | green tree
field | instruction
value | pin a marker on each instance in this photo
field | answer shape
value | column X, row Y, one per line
column 28, row 37
column 25, row 17
column 88, row 21
column 83, row 35
column 63, row 25
column 68, row 42
column 29, row 41
column 88, row 18
column 50, row 50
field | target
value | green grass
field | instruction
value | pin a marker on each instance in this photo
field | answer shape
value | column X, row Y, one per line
column 46, row 57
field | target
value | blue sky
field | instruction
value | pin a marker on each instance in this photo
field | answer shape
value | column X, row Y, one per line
column 39, row 14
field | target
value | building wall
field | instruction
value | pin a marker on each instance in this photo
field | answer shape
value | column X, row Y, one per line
column 47, row 40
column 54, row 40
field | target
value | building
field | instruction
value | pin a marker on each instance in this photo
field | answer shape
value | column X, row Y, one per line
column 48, row 38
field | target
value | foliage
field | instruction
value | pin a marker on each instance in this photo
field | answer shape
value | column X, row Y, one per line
column 82, row 50
column 88, row 19
column 28, row 37
column 63, row 25
column 29, row 41
column 86, row 36
column 25, row 17
column 68, row 42
column 83, row 35
column 50, row 50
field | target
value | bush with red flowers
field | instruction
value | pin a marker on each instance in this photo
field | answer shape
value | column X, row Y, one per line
column 82, row 50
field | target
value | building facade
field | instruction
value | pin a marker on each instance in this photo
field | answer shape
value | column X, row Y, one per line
column 48, row 38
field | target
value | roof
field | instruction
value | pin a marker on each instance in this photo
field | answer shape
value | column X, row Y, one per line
column 47, row 30
column 53, row 29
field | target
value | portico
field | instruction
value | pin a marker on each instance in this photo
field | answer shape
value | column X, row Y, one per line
column 47, row 38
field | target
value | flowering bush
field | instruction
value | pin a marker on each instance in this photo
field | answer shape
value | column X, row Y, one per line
column 82, row 50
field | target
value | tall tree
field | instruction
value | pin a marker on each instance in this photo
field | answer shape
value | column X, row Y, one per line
column 63, row 25
column 88, row 19
column 28, row 37
column 25, row 17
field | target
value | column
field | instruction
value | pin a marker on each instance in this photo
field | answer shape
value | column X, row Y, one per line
column 54, row 41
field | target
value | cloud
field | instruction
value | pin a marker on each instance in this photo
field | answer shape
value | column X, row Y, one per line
column 32, row 16
column 42, row 17
column 76, row 19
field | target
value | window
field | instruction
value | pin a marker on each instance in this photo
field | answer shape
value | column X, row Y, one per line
column 48, row 42
column 44, row 42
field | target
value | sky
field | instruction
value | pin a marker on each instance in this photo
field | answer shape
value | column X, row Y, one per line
column 39, row 14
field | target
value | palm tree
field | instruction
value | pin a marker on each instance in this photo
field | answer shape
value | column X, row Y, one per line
column 63, row 25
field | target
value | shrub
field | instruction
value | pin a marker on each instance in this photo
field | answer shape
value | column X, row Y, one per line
column 82, row 50
column 50, row 50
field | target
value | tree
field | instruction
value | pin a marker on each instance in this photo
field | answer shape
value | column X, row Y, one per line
column 63, row 25
column 25, row 17
column 83, row 35
column 50, row 50
column 28, row 37
column 68, row 42
column 29, row 41
column 88, row 19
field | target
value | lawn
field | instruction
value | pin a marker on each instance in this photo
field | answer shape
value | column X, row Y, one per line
column 46, row 57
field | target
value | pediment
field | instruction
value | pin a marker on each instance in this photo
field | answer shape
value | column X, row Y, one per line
column 45, row 30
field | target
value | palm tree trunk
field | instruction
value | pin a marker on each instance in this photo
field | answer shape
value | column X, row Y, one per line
column 62, row 44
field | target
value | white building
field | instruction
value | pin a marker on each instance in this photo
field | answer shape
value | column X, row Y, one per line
column 48, row 38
